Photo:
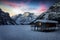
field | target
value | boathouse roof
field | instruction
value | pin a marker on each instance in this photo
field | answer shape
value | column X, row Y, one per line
column 46, row 21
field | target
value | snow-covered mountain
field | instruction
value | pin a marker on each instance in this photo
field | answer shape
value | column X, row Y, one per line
column 25, row 18
column 53, row 13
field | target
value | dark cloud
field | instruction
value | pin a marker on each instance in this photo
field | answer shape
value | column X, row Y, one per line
column 32, row 0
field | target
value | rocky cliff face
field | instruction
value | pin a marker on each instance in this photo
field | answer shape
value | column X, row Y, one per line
column 54, row 12
column 5, row 18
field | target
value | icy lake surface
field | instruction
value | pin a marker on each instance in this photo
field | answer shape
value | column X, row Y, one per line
column 23, row 32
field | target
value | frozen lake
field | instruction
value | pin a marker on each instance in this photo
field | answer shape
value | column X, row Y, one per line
column 23, row 32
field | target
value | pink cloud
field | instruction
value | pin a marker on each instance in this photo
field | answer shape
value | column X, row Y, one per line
column 42, row 8
column 22, row 7
column 13, row 4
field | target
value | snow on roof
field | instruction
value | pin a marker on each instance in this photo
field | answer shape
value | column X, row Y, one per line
column 46, row 21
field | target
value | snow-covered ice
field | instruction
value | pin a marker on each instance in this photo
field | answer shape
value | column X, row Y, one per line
column 23, row 32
